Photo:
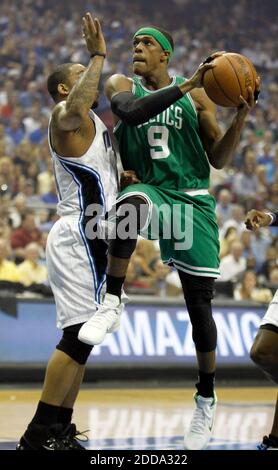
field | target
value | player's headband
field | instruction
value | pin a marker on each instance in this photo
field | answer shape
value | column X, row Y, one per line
column 160, row 38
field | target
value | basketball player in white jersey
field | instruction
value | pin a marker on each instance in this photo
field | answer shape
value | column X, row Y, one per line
column 264, row 350
column 85, row 171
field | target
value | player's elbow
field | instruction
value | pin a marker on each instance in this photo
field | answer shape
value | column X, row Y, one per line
column 130, row 119
column 128, row 110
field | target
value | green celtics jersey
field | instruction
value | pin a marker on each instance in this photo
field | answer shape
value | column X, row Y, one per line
column 167, row 150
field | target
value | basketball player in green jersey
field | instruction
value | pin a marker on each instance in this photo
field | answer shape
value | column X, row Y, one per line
column 168, row 134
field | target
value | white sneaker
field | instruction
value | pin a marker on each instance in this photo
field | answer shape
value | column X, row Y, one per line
column 106, row 319
column 116, row 325
column 200, row 430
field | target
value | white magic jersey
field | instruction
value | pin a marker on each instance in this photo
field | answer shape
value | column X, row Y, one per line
column 90, row 179
column 76, row 259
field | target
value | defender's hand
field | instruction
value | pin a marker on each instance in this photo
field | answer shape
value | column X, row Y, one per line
column 256, row 219
column 92, row 34
column 128, row 177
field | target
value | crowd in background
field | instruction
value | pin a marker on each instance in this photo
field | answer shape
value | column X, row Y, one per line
column 36, row 35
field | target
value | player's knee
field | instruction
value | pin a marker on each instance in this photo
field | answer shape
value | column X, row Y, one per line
column 136, row 208
column 262, row 354
column 132, row 212
column 71, row 345
column 204, row 332
column 196, row 289
column 198, row 293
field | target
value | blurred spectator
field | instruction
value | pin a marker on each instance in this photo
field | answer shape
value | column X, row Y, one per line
column 25, row 234
column 245, row 182
column 31, row 271
column 265, row 159
column 6, row 140
column 45, row 179
column 136, row 283
column 143, row 257
column 236, row 220
column 5, row 229
column 273, row 278
column 270, row 263
column 7, row 174
column 246, row 239
column 28, row 191
column 32, row 121
column 51, row 196
column 17, row 210
column 225, row 243
column 45, row 226
column 167, row 281
column 261, row 173
column 234, row 264
column 40, row 133
column 8, row 269
column 259, row 242
column 248, row 290
column 31, row 96
column 42, row 245
column 224, row 205
column 15, row 130
column 273, row 202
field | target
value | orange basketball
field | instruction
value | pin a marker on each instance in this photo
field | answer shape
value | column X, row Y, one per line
column 229, row 79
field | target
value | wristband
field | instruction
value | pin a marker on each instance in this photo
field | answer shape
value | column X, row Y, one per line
column 101, row 54
column 272, row 216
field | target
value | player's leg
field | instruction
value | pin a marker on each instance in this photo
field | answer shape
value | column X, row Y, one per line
column 193, row 250
column 71, row 397
column 120, row 246
column 73, row 285
column 141, row 202
column 48, row 428
column 264, row 353
column 198, row 293
column 132, row 213
column 274, row 430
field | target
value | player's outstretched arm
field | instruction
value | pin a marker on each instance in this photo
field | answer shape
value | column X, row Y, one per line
column 69, row 114
column 134, row 111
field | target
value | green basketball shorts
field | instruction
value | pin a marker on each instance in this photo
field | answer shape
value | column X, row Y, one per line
column 185, row 226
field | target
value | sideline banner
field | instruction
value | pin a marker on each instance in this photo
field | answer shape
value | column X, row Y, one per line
column 149, row 334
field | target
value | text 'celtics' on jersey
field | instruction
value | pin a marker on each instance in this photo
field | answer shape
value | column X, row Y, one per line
column 165, row 151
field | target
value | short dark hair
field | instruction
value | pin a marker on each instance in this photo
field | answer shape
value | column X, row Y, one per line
column 59, row 75
column 166, row 34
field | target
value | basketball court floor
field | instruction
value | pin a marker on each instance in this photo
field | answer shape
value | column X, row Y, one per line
column 147, row 418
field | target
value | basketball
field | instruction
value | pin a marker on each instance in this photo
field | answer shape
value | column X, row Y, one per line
column 232, row 75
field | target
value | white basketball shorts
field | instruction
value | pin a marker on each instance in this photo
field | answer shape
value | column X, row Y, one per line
column 76, row 270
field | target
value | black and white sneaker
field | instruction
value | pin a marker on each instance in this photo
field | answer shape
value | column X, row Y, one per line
column 39, row 437
column 269, row 443
column 70, row 439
